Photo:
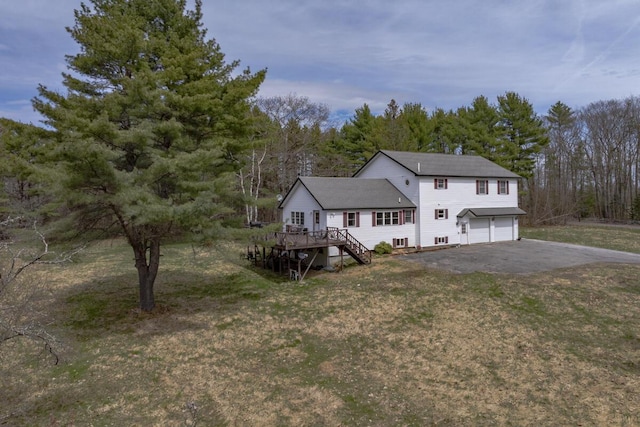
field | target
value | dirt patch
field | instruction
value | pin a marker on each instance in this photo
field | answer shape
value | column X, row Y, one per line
column 519, row 257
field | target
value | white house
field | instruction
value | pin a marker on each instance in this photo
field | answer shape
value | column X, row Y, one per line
column 411, row 200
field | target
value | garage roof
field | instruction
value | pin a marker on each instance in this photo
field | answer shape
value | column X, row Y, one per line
column 485, row 212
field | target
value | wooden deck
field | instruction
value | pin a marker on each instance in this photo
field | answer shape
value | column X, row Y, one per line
column 308, row 239
column 341, row 238
column 279, row 258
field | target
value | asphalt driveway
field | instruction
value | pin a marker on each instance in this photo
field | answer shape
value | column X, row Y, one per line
column 520, row 257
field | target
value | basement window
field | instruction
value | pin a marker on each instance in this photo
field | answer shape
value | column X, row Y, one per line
column 401, row 243
column 441, row 240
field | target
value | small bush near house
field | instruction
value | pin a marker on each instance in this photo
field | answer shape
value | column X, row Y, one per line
column 383, row 248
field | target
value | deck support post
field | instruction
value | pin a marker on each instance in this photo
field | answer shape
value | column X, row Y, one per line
column 315, row 254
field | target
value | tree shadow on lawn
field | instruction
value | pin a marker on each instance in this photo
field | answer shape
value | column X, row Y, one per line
column 110, row 305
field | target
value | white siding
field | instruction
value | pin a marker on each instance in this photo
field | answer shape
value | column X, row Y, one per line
column 299, row 200
column 459, row 194
column 403, row 180
column 370, row 235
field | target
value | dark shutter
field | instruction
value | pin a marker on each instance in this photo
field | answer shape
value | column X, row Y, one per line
column 446, row 184
column 357, row 219
column 345, row 220
column 477, row 186
column 446, row 239
column 435, row 183
column 373, row 218
column 507, row 187
column 436, row 214
column 446, row 214
column 401, row 217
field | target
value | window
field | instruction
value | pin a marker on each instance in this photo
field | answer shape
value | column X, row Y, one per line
column 442, row 214
column 463, row 228
column 350, row 219
column 316, row 217
column 401, row 243
column 386, row 218
column 440, row 183
column 503, row 187
column 482, row 186
column 441, row 240
column 408, row 216
column 297, row 218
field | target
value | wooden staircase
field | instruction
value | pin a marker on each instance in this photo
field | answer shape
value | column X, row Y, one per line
column 353, row 247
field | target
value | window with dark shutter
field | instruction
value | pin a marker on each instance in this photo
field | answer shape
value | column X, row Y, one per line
column 482, row 186
column 503, row 187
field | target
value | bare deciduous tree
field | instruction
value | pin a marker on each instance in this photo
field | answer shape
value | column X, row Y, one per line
column 21, row 287
column 296, row 126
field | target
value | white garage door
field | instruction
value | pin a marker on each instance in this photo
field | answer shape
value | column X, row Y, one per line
column 503, row 229
column 479, row 230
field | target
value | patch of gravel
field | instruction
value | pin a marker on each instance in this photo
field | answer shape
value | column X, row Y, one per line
column 518, row 257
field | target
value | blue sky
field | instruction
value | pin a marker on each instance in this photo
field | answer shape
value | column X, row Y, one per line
column 344, row 53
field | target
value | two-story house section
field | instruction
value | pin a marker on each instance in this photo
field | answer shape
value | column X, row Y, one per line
column 459, row 199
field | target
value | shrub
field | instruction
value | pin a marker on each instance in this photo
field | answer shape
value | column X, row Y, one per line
column 383, row 248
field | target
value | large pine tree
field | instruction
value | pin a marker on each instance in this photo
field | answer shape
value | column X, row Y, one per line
column 150, row 125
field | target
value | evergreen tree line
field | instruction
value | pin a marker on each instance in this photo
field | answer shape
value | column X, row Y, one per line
column 575, row 164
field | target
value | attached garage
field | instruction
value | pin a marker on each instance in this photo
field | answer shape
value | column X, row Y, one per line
column 479, row 230
column 503, row 229
column 484, row 225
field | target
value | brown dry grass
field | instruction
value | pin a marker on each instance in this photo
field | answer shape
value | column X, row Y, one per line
column 608, row 236
column 388, row 344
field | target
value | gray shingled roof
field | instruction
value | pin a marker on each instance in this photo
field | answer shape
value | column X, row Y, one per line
column 354, row 193
column 435, row 164
column 483, row 212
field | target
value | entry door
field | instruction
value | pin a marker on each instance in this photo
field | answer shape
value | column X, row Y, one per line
column 316, row 220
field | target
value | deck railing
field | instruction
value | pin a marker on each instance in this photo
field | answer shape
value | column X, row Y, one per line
column 302, row 239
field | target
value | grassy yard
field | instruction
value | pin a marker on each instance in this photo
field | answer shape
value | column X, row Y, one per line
column 384, row 345
column 621, row 238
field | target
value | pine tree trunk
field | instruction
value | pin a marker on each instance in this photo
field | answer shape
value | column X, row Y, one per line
column 147, row 272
